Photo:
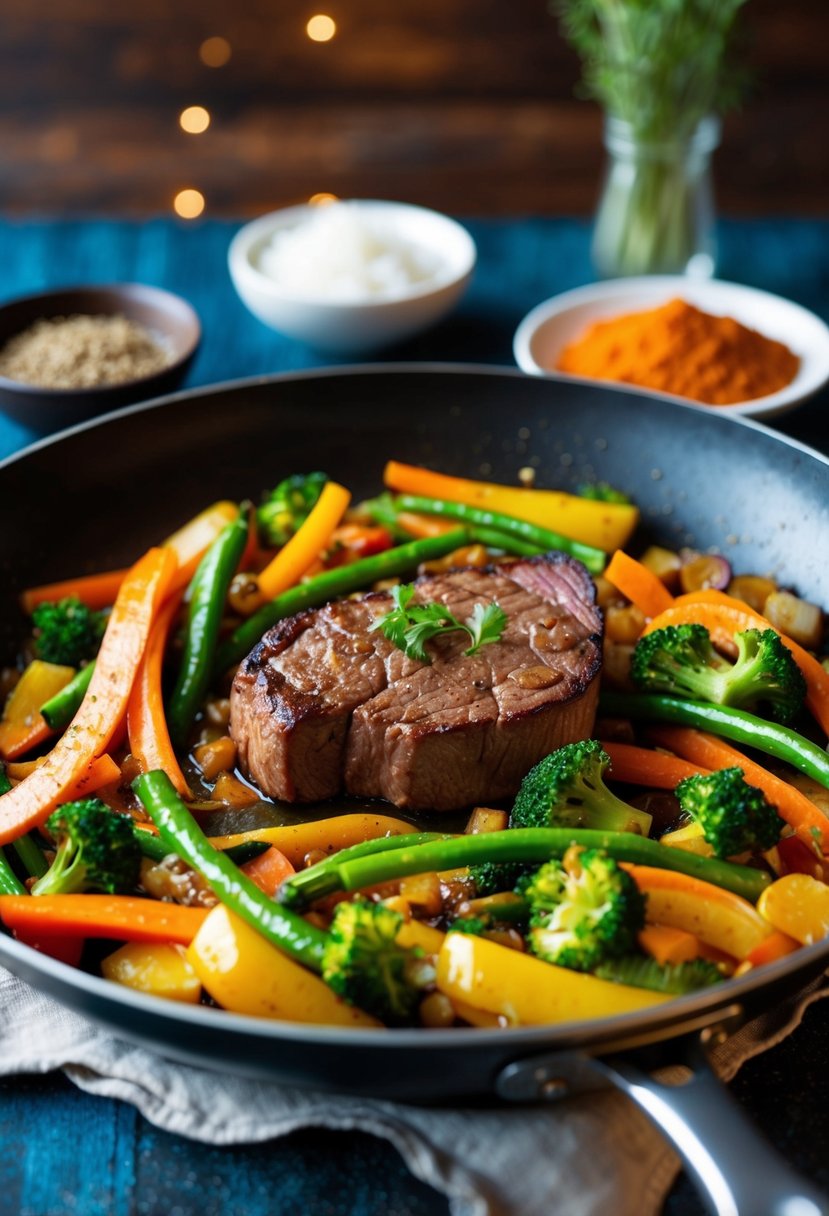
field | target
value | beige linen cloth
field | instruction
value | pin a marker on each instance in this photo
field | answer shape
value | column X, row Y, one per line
column 496, row 1162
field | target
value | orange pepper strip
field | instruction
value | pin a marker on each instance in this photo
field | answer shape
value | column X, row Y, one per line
column 723, row 920
column 424, row 526
column 807, row 819
column 639, row 584
column 305, row 546
column 643, row 766
column 102, row 710
column 100, row 590
column 149, row 738
column 123, row 917
column 723, row 616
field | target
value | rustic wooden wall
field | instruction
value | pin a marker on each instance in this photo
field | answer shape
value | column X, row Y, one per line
column 466, row 105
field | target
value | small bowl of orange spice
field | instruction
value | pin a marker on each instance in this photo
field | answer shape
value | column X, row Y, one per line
column 716, row 344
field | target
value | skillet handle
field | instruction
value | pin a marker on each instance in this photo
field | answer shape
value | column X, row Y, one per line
column 737, row 1172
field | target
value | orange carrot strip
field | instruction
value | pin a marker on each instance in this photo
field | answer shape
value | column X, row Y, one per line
column 94, row 590
column 149, row 738
column 305, row 546
column 639, row 584
column 723, row 616
column 604, row 525
column 102, row 710
column 777, row 945
column 799, row 812
column 269, row 870
column 100, row 590
column 123, row 917
column 643, row 766
column 102, row 771
column 668, row 945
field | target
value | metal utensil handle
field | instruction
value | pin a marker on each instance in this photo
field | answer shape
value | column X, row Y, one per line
column 738, row 1173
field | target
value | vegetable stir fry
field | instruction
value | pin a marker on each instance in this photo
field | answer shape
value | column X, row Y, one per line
column 680, row 842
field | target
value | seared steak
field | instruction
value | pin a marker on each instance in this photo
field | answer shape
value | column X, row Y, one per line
column 322, row 705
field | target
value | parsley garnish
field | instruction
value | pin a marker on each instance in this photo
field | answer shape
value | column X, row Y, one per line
column 410, row 626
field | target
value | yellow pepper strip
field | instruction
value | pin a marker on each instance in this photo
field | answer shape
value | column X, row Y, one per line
column 191, row 541
column 160, row 969
column 525, row 990
column 303, row 549
column 23, row 726
column 297, row 840
column 605, row 525
column 477, row 1017
column 415, row 934
column 690, row 838
column 246, row 974
column 717, row 917
column 798, row 905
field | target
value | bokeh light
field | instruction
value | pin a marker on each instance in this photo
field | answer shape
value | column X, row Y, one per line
column 188, row 204
column 194, row 120
column 215, row 52
column 321, row 28
column 322, row 199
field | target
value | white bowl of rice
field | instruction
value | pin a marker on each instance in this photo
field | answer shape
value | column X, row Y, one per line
column 351, row 277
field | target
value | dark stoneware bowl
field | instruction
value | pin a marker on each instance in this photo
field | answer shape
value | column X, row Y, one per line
column 169, row 319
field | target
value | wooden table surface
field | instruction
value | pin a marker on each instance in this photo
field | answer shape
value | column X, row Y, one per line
column 464, row 105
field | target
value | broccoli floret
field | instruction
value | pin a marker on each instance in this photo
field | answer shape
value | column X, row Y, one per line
column 288, row 506
column 602, row 491
column 96, row 851
column 67, row 631
column 735, row 817
column 473, row 925
column 364, row 964
column 584, row 909
column 681, row 660
column 566, row 789
column 675, row 978
column 493, row 877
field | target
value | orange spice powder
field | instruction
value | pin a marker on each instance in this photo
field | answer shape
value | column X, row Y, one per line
column 679, row 349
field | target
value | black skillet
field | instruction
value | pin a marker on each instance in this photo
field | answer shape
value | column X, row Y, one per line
column 98, row 495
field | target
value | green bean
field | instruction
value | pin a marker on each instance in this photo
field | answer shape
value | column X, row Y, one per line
column 308, row 877
column 522, row 844
column 155, row 849
column 477, row 517
column 60, row 709
column 208, row 592
column 30, row 856
column 178, row 829
column 384, row 511
column 332, row 583
column 10, row 884
column 770, row 737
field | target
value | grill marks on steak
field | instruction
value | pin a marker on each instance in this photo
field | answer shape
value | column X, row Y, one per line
column 322, row 704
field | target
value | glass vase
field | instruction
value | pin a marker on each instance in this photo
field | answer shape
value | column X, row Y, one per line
column 656, row 211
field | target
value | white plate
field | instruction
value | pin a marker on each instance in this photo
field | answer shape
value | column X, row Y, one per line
column 552, row 325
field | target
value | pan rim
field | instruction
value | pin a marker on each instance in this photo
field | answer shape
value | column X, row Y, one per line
column 582, row 1033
